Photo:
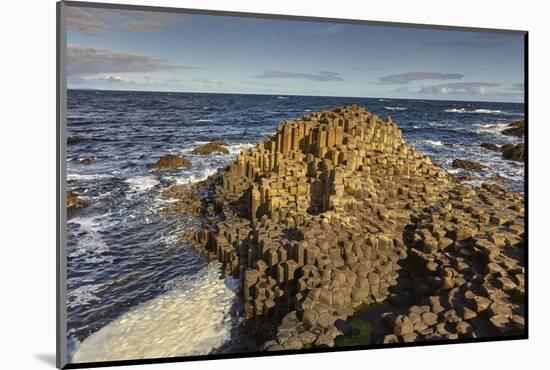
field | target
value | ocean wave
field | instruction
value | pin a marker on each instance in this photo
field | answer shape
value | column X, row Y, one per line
column 491, row 128
column 83, row 295
column 237, row 148
column 89, row 242
column 193, row 178
column 434, row 142
column 204, row 120
column 475, row 111
column 140, row 184
column 89, row 176
column 282, row 97
column 175, row 323
column 395, row 108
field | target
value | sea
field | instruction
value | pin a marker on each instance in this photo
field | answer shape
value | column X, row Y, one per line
column 134, row 289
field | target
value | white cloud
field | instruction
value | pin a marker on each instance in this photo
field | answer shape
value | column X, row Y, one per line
column 323, row 76
column 405, row 78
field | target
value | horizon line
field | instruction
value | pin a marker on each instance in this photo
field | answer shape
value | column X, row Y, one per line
column 302, row 95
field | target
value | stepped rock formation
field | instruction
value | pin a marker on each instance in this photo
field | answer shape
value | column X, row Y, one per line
column 336, row 211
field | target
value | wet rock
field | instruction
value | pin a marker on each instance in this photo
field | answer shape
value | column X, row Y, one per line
column 170, row 162
column 515, row 153
column 74, row 201
column 517, row 128
column 212, row 147
column 491, row 146
column 468, row 165
column 85, row 161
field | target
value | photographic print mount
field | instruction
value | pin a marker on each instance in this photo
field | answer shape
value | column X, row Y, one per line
column 330, row 226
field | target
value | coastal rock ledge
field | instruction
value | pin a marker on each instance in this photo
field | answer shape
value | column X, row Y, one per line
column 336, row 212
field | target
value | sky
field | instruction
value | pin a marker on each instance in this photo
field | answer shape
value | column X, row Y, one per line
column 157, row 51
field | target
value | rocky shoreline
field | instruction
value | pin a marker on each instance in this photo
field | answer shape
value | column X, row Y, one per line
column 336, row 212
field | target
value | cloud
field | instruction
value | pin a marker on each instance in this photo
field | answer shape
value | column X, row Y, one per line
column 331, row 30
column 462, row 88
column 94, row 22
column 81, row 20
column 82, row 79
column 323, row 76
column 405, row 78
column 83, row 59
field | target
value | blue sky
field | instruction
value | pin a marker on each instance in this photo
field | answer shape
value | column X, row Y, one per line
column 131, row 50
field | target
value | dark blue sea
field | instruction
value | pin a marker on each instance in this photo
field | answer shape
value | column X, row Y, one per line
column 129, row 275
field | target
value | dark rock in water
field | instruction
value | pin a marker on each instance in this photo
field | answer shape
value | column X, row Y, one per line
column 74, row 201
column 344, row 326
column 506, row 147
column 491, row 146
column 170, row 162
column 212, row 147
column 85, row 161
column 517, row 128
column 468, row 165
column 515, row 153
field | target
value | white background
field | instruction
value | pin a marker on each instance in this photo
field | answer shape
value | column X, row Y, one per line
column 27, row 209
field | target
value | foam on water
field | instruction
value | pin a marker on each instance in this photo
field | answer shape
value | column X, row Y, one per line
column 478, row 111
column 237, row 148
column 140, row 184
column 88, row 177
column 90, row 242
column 195, row 177
column 191, row 318
column 395, row 108
column 491, row 128
column 434, row 142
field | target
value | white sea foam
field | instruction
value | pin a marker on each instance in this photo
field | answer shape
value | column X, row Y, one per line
column 90, row 243
column 139, row 184
column 237, row 148
column 478, row 111
column 204, row 120
column 434, row 142
column 191, row 318
column 282, row 97
column 88, row 177
column 195, row 177
column 491, row 128
column 395, row 108
column 83, row 295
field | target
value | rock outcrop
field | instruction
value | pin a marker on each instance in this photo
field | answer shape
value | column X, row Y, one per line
column 336, row 211
column 74, row 201
column 490, row 146
column 212, row 147
column 468, row 165
column 515, row 153
column 517, row 128
column 510, row 152
column 171, row 162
